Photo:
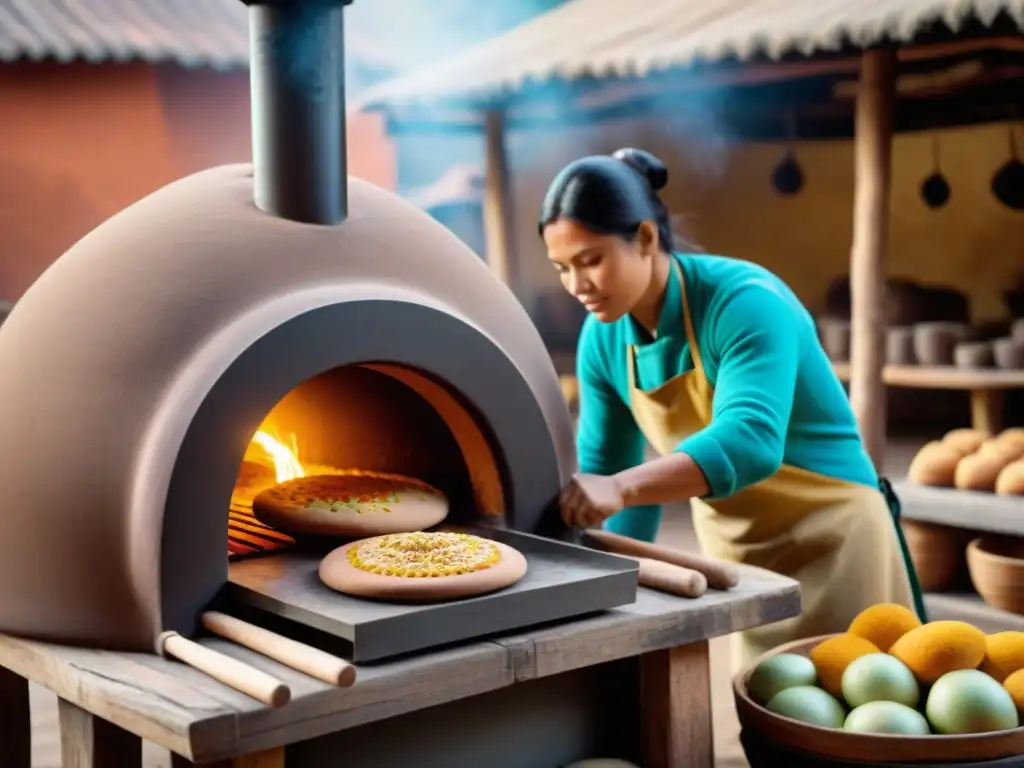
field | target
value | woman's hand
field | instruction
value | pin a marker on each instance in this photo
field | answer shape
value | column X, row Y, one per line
column 588, row 500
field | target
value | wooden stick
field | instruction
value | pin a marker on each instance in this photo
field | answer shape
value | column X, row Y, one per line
column 224, row 669
column 719, row 575
column 673, row 579
column 304, row 658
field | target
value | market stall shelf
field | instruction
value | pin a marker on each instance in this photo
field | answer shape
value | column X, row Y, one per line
column 542, row 695
column 971, row 510
column 969, row 607
column 987, row 387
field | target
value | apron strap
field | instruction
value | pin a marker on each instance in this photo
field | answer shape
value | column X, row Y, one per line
column 691, row 337
column 631, row 365
column 895, row 508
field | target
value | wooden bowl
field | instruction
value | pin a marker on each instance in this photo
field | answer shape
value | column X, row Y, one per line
column 899, row 346
column 828, row 743
column 973, row 354
column 996, row 565
column 937, row 552
column 1009, row 353
column 934, row 342
column 835, row 338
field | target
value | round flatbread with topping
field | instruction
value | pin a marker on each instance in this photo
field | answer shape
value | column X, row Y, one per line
column 422, row 567
column 353, row 503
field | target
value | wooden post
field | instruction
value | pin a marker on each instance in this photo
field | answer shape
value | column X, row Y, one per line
column 497, row 205
column 872, row 168
column 675, row 686
column 87, row 741
column 15, row 722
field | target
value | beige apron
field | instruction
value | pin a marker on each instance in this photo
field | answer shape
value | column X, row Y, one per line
column 838, row 539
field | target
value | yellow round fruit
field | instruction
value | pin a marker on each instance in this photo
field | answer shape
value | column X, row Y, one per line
column 883, row 624
column 831, row 658
column 1014, row 685
column 938, row 647
column 1004, row 654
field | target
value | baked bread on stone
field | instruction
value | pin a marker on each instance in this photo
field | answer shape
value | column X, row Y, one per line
column 422, row 567
column 352, row 503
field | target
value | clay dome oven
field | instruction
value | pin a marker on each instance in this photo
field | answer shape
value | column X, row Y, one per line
column 138, row 368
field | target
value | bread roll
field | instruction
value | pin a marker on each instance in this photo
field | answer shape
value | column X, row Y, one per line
column 965, row 441
column 934, row 464
column 1011, row 480
column 1007, row 451
column 1013, row 436
column 978, row 472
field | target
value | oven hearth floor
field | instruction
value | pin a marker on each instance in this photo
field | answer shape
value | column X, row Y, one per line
column 562, row 580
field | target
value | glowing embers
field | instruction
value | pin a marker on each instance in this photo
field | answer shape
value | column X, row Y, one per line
column 248, row 537
column 422, row 566
column 351, row 503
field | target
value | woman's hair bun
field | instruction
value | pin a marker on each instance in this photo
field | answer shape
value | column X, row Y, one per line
column 646, row 164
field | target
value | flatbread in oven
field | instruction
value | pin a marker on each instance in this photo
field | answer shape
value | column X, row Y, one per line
column 352, row 503
column 422, row 567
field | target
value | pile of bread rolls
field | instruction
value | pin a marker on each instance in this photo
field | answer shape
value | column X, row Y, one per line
column 972, row 460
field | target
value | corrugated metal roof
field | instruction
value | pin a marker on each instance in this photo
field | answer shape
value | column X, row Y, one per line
column 612, row 38
column 211, row 33
column 459, row 184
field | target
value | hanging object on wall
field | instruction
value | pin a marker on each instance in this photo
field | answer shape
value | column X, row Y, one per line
column 935, row 189
column 1008, row 182
column 788, row 176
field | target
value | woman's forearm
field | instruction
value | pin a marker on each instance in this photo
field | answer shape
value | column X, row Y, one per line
column 664, row 480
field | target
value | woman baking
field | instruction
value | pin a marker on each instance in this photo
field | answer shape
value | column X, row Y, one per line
column 717, row 364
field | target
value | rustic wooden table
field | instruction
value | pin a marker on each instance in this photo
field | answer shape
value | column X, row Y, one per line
column 633, row 682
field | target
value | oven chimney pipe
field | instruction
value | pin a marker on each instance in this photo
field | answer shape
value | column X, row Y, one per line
column 297, row 90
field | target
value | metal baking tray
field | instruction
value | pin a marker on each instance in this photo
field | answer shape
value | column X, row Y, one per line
column 562, row 581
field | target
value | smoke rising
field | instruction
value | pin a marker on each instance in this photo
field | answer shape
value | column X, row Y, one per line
column 416, row 35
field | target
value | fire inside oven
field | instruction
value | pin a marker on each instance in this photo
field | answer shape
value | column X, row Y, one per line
column 376, row 419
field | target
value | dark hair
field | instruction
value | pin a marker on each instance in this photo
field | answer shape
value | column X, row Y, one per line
column 611, row 194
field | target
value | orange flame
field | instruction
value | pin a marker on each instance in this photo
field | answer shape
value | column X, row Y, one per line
column 285, row 460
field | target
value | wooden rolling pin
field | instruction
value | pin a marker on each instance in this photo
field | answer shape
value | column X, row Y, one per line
column 718, row 574
column 673, row 579
column 299, row 656
column 224, row 669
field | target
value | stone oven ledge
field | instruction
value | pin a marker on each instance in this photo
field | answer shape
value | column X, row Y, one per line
column 552, row 695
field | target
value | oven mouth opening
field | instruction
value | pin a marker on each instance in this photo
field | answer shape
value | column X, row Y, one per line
column 376, row 418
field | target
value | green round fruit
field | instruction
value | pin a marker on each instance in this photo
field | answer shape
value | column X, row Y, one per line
column 787, row 670
column 887, row 717
column 808, row 705
column 879, row 677
column 969, row 701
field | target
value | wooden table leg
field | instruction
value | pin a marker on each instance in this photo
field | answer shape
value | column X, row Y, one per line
column 272, row 758
column 15, row 721
column 987, row 410
column 87, row 741
column 675, row 688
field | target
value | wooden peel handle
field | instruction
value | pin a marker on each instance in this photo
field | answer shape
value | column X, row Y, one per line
column 299, row 656
column 673, row 579
column 224, row 669
column 719, row 575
